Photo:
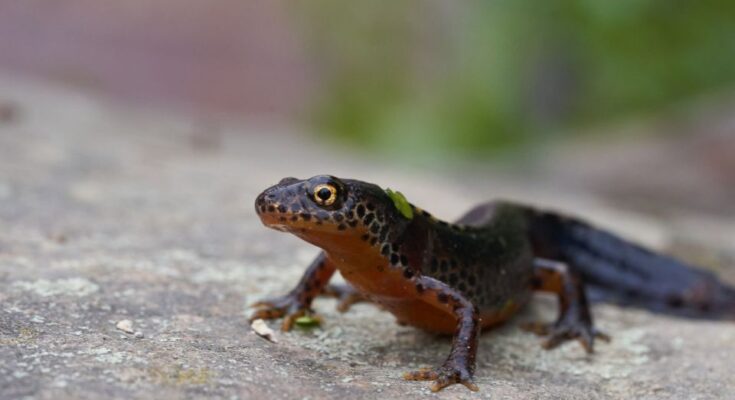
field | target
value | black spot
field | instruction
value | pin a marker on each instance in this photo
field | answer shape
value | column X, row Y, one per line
column 262, row 208
column 420, row 288
column 360, row 211
column 394, row 259
column 404, row 259
column 365, row 237
column 352, row 223
column 368, row 219
column 375, row 228
column 282, row 219
column 338, row 217
column 408, row 273
column 341, row 227
column 350, row 214
column 306, row 217
column 271, row 208
column 462, row 287
column 395, row 246
column 385, row 250
column 675, row 301
column 371, row 207
column 282, row 208
column 425, row 213
column 442, row 297
column 294, row 218
column 373, row 241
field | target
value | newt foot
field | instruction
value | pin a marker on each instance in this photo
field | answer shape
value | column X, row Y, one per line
column 565, row 330
column 443, row 376
column 290, row 307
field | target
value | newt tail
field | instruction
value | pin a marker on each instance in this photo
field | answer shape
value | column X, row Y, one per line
column 616, row 270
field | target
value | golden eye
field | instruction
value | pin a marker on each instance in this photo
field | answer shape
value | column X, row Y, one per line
column 325, row 194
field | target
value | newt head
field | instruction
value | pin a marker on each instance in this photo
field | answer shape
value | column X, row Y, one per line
column 328, row 211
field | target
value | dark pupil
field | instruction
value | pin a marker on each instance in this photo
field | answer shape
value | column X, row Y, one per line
column 324, row 194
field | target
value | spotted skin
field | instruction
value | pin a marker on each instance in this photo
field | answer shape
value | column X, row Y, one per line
column 449, row 278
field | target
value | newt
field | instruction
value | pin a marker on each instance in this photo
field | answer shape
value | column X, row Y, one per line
column 460, row 278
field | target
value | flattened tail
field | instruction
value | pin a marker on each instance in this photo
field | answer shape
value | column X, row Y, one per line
column 616, row 270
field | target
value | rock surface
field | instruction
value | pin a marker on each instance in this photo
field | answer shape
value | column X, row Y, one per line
column 110, row 214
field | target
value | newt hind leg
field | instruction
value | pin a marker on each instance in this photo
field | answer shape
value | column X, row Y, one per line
column 574, row 320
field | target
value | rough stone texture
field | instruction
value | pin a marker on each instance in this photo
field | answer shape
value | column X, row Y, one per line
column 110, row 214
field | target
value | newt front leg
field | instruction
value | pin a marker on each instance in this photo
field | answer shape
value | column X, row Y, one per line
column 298, row 301
column 459, row 367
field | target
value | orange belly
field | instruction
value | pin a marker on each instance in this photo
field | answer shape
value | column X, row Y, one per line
column 414, row 312
column 387, row 286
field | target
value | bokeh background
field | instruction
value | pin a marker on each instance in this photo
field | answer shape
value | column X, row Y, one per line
column 135, row 135
column 637, row 93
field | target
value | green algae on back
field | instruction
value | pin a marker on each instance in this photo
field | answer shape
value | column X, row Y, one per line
column 400, row 202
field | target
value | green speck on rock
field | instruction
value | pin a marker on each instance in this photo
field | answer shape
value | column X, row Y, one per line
column 307, row 321
column 399, row 200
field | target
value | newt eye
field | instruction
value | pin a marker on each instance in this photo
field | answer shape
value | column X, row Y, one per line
column 325, row 194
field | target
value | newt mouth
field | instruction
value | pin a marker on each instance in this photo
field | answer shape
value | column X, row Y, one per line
column 272, row 221
column 278, row 227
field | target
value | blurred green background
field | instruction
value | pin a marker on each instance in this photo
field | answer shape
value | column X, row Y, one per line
column 474, row 77
column 427, row 79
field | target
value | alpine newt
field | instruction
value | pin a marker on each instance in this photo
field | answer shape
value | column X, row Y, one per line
column 459, row 278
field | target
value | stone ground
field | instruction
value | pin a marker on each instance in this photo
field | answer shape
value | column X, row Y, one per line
column 108, row 213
